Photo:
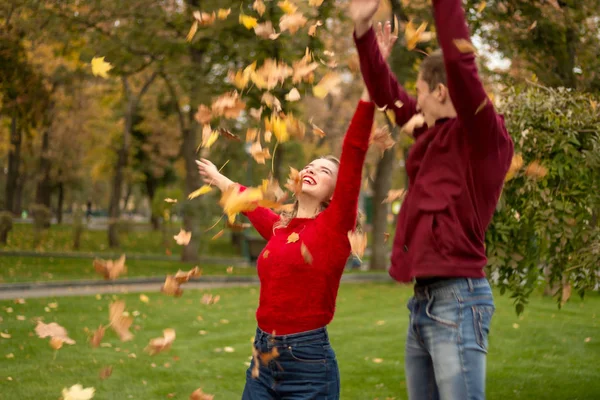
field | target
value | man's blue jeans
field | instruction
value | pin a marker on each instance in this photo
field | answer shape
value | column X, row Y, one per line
column 305, row 369
column 447, row 341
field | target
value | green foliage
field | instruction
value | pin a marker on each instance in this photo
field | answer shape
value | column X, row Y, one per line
column 547, row 226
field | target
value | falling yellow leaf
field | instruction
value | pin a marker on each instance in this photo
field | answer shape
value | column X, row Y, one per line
column 293, row 237
column 77, row 392
column 192, row 32
column 305, row 253
column 464, row 46
column 209, row 137
column 248, row 21
column 100, row 67
column 315, row 3
column 532, row 26
column 414, row 36
column 258, row 153
column 481, row 7
column 279, row 128
column 229, row 270
column 482, row 105
column 218, row 234
column 515, row 165
column 223, row 13
column 593, row 104
column 260, row 7
column 251, row 134
column 287, row 6
column 328, row 84
column 229, row 105
column 293, row 95
column 199, row 192
column 358, row 243
column 292, row 22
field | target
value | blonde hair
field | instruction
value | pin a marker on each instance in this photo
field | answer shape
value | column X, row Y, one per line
column 287, row 216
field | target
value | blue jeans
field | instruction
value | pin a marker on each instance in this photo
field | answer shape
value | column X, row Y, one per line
column 447, row 341
column 305, row 369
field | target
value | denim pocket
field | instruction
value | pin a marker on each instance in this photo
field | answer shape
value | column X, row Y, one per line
column 444, row 311
column 309, row 353
column 482, row 317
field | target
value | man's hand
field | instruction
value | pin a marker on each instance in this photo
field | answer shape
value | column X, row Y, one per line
column 362, row 12
column 385, row 39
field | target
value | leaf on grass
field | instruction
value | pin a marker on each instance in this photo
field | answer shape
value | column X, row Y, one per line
column 358, row 243
column 160, row 344
column 293, row 95
column 199, row 192
column 198, row 394
column 382, row 138
column 209, row 299
column 536, row 170
column 183, row 237
column 110, row 269
column 5, row 335
column 100, row 67
column 393, row 195
column 223, row 13
column 105, row 373
column 305, row 253
column 294, row 182
column 329, row 84
column 53, row 330
column 56, row 343
column 292, row 22
column 312, row 30
column 464, row 46
column 414, row 36
column 97, row 336
column 144, row 298
column 248, row 21
column 293, row 238
column 203, row 115
column 77, row 392
column 259, row 7
column 119, row 322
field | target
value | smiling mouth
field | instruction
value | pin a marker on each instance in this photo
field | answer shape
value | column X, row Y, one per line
column 309, row 180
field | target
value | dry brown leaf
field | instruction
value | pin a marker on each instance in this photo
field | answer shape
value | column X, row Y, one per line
column 119, row 322
column 237, row 227
column 203, row 115
column 98, row 336
column 271, row 101
column 223, row 13
column 229, row 136
column 256, row 113
column 56, row 343
column 192, row 32
column 566, row 293
column 171, row 287
column 382, row 138
column 315, row 3
column 305, row 253
column 183, row 237
column 292, row 22
column 228, row 105
column 205, row 19
column 265, row 358
column 110, row 269
column 294, row 183
column 270, row 74
column 413, row 35
column 303, row 69
column 251, row 134
column 312, row 30
column 105, row 373
column 295, row 128
column 358, row 243
column 272, row 191
column 293, row 238
column 259, row 7
column 266, row 31
column 318, row 131
column 53, row 330
column 258, row 153
column 198, row 192
column 536, row 170
column 464, row 46
column 198, row 394
column 532, row 26
column 209, row 299
column 329, row 84
column 386, row 237
column 293, row 95
column 229, row 270
column 218, row 234
column 393, row 195
column 163, row 343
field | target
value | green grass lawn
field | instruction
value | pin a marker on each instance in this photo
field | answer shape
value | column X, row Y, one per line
column 541, row 355
column 141, row 239
column 37, row 269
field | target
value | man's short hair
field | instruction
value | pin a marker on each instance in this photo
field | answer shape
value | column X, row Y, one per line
column 433, row 71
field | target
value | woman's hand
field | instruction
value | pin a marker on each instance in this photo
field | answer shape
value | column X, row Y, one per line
column 385, row 39
column 210, row 175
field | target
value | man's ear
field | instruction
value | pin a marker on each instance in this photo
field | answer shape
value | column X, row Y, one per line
column 441, row 93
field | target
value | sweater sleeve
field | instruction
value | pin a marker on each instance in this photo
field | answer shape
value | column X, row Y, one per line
column 342, row 211
column 382, row 85
column 262, row 219
column 476, row 113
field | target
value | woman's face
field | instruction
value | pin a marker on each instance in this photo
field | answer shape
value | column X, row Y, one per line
column 318, row 179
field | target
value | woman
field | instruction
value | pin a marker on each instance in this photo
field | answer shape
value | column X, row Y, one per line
column 297, row 295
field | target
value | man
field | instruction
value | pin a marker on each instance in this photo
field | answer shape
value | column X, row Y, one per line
column 456, row 170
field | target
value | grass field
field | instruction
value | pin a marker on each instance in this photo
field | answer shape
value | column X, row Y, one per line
column 545, row 354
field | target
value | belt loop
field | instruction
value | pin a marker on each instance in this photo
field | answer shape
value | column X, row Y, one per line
column 427, row 295
column 470, row 283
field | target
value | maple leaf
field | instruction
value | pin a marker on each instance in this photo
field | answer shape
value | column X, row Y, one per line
column 223, row 13
column 256, row 113
column 77, row 392
column 312, row 30
column 305, row 253
column 163, row 343
column 278, row 127
column 251, row 134
column 270, row 101
column 358, row 243
column 294, row 183
column 182, row 277
column 110, row 269
column 382, row 138
column 414, row 36
column 209, row 137
column 98, row 336
column 199, row 192
column 292, row 22
column 295, row 127
column 293, row 95
column 119, row 322
column 464, row 46
column 100, row 67
column 105, row 373
column 260, row 7
column 293, row 238
column 258, row 153
column 241, row 78
column 266, row 31
column 171, row 287
column 203, row 115
column 228, row 105
column 183, row 237
column 198, row 394
column 536, row 170
column 328, row 84
column 248, row 21
column 393, row 195
column 204, row 19
column 53, row 330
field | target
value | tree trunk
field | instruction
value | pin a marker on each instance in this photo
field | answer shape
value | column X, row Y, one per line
column 14, row 159
column 150, row 191
column 61, row 200
column 191, row 208
column 44, row 185
column 18, row 200
column 381, row 186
